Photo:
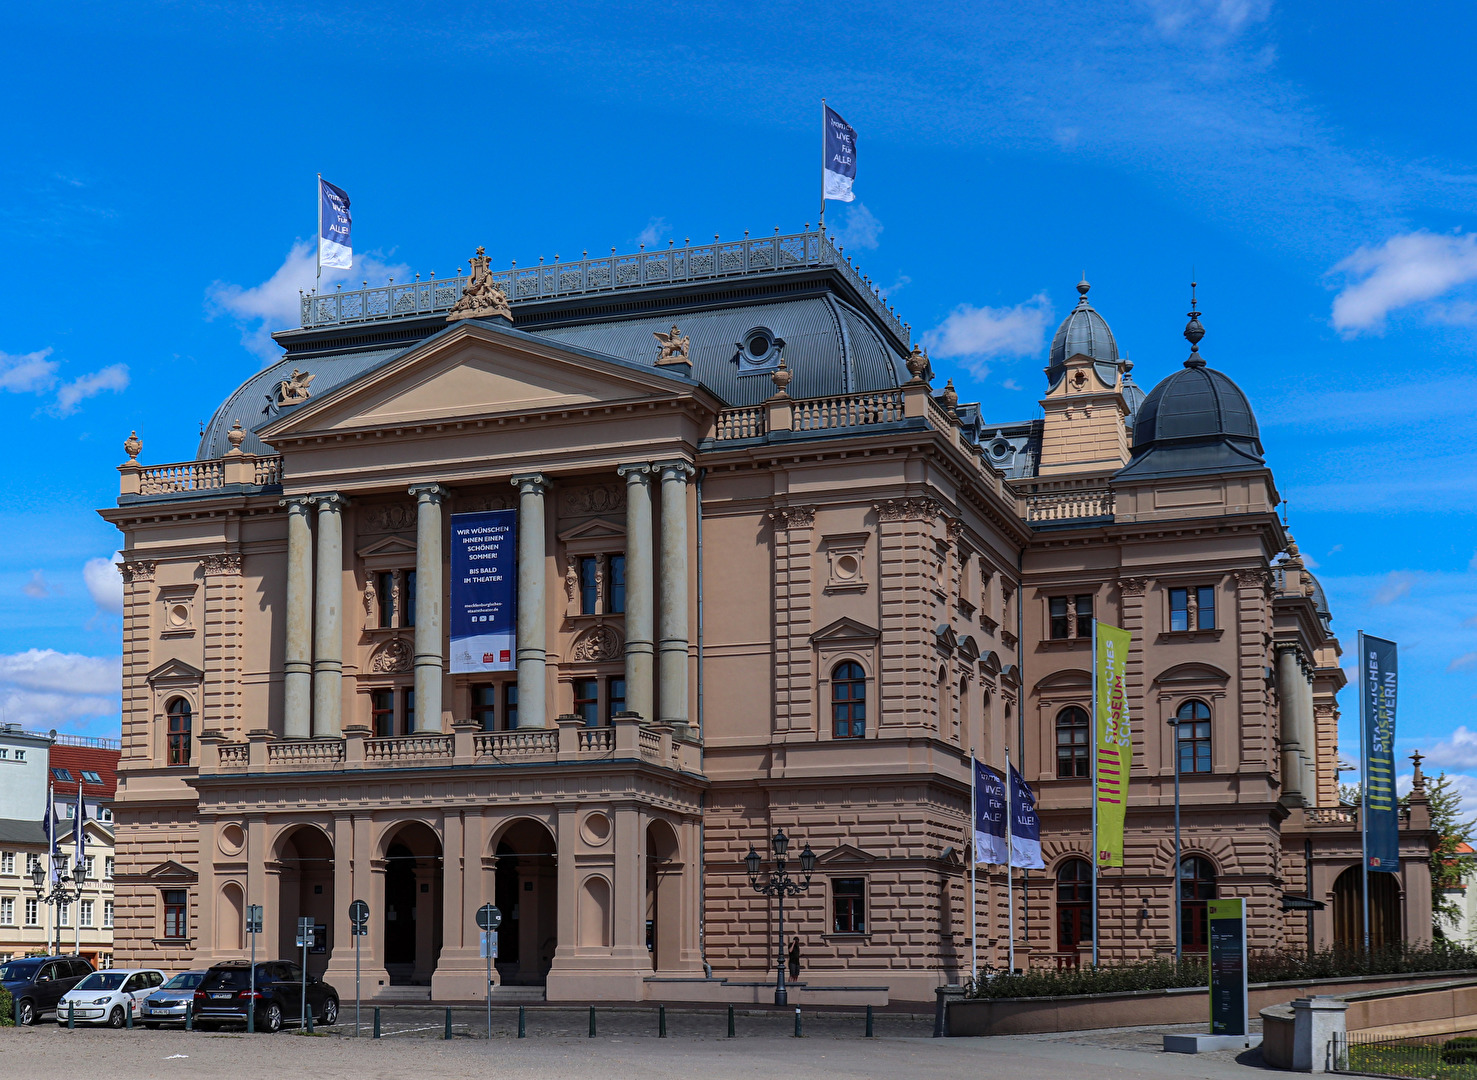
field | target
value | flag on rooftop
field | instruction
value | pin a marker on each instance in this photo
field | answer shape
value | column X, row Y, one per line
column 989, row 816
column 838, row 167
column 1025, row 825
column 335, row 246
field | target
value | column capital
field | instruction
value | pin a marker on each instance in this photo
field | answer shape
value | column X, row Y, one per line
column 331, row 501
column 678, row 469
column 434, row 493
column 639, row 470
column 531, row 483
column 296, row 502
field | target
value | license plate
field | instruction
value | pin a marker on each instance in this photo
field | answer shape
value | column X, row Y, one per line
column 221, row 997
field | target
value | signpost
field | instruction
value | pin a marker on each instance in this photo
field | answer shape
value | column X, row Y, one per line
column 489, row 918
column 1228, row 999
column 304, row 940
column 358, row 927
column 253, row 927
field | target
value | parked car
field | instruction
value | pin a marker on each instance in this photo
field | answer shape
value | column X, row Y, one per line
column 167, row 1004
column 37, row 983
column 225, row 994
column 108, row 997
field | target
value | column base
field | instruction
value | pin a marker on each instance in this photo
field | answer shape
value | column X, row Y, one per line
column 461, row 976
column 340, row 973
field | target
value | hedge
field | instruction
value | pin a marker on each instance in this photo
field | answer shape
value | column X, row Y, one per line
column 7, row 1016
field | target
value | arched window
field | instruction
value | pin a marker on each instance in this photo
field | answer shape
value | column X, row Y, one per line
column 1193, row 728
column 1072, row 743
column 848, row 701
column 1073, row 904
column 1197, row 885
column 178, row 714
column 965, row 720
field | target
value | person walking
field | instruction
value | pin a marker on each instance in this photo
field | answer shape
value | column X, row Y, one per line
column 794, row 959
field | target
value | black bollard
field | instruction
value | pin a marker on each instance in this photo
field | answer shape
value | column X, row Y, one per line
column 310, row 1020
column 797, row 1024
column 592, row 1021
column 522, row 1021
column 869, row 1021
column 71, row 1016
column 189, row 1016
column 128, row 1013
column 661, row 1021
column 448, row 1023
column 376, row 1022
column 730, row 1021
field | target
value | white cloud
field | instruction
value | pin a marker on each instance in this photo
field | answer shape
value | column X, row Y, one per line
column 656, row 229
column 1408, row 268
column 859, row 228
column 1011, row 384
column 276, row 303
column 37, row 586
column 1463, row 663
column 1220, row 19
column 114, row 377
column 49, row 671
column 27, row 373
column 1395, row 586
column 984, row 332
column 104, row 583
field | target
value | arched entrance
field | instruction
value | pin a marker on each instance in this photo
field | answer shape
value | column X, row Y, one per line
column 663, row 895
column 526, row 892
column 230, row 919
column 1348, row 909
column 305, row 889
column 413, row 904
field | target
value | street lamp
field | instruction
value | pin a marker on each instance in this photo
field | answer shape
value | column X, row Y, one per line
column 779, row 883
column 1174, row 726
column 74, row 875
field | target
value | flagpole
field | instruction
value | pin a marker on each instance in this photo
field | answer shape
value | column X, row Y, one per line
column 823, row 233
column 1095, row 722
column 1009, row 862
column 1363, row 786
column 974, row 947
column 318, row 240
column 78, row 846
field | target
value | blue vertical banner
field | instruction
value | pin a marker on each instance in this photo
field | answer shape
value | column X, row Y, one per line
column 838, row 165
column 989, row 816
column 1025, row 824
column 1378, row 682
column 484, row 581
column 335, row 244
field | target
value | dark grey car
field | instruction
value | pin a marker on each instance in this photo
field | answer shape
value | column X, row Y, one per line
column 37, row 983
column 167, row 1005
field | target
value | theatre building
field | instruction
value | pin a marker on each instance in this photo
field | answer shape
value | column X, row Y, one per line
column 771, row 574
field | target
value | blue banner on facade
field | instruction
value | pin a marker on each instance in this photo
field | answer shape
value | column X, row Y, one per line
column 1025, row 825
column 335, row 245
column 989, row 816
column 838, row 165
column 1378, row 679
column 484, row 580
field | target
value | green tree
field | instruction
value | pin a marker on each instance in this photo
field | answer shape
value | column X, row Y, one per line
column 1448, row 866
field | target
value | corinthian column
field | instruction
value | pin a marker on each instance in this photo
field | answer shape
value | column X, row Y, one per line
column 531, row 598
column 428, row 589
column 328, row 645
column 640, row 631
column 1289, row 701
column 672, row 646
column 297, row 680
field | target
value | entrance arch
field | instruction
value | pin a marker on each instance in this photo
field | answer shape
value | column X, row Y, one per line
column 1348, row 909
column 413, row 904
column 304, row 889
column 526, row 890
column 663, row 895
column 230, row 919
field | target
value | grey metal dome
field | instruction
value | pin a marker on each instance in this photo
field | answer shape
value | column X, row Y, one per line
column 1133, row 395
column 1083, row 333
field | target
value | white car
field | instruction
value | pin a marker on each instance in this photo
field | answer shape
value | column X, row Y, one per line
column 108, row 997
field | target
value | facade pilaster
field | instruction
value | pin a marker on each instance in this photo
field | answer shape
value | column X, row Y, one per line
column 1289, row 704
column 1131, row 611
column 297, row 679
column 905, row 530
column 532, row 601
column 1253, row 624
column 793, row 653
column 221, row 693
column 138, row 587
column 430, row 587
column 672, row 659
column 328, row 646
column 640, row 631
column 340, row 970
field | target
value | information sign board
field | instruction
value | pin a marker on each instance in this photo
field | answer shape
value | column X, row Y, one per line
column 1228, row 999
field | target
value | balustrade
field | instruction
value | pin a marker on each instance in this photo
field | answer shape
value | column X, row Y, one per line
column 525, row 742
column 234, row 755
column 848, row 410
column 407, row 747
column 1069, row 505
column 311, row 753
column 745, row 423
column 596, row 740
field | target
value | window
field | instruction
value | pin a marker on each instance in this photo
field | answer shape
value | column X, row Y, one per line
column 510, row 705
column 90, row 777
column 1070, row 616
column 1072, row 729
column 1192, row 725
column 587, row 701
column 615, row 696
column 7, row 862
column 407, row 711
column 1205, row 604
column 4, row 753
column 484, row 707
column 86, row 913
column 616, row 602
column 179, row 731
column 64, row 775
column 71, row 809
column 382, row 712
column 176, row 920
column 1084, row 616
column 407, row 617
column 90, row 861
column 20, row 755
column 589, row 584
column 32, row 861
column 849, row 905
column 1179, row 609
column 7, row 911
column 104, row 813
column 1060, row 623
column 1073, row 904
column 385, row 585
column 107, row 914
column 1192, row 608
column 33, row 912
column 108, row 867
column 848, row 701
column 1197, row 885
column 66, row 913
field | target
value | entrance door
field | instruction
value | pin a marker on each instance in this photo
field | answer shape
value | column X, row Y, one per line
column 526, row 890
column 1348, row 909
column 1073, row 904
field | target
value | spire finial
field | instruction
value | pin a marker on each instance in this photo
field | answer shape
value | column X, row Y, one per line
column 1082, row 287
column 1194, row 332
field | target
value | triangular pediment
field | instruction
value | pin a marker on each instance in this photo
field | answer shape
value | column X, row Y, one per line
column 842, row 630
column 595, row 529
column 392, row 546
column 845, row 853
column 174, row 671
column 472, row 370
column 165, row 873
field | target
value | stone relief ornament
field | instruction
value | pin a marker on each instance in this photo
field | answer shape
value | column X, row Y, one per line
column 471, row 504
column 674, row 347
column 221, row 565
column 597, row 644
column 908, row 510
column 369, row 598
column 387, row 517
column 793, row 517
column 294, row 389
column 482, row 298
column 139, row 570
column 392, row 656
column 592, row 499
column 1133, row 586
column 572, row 582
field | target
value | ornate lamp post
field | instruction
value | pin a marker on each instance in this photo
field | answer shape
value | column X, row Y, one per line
column 69, row 885
column 779, row 883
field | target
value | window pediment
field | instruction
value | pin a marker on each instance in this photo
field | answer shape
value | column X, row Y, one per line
column 174, row 671
column 391, row 551
column 1069, row 679
column 845, row 631
column 1196, row 673
column 843, row 854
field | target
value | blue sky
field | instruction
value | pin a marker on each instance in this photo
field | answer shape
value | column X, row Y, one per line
column 1312, row 164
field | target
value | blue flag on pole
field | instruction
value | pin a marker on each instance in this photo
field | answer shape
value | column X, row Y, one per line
column 79, row 837
column 989, row 816
column 1378, row 679
column 1025, row 825
column 335, row 246
column 839, row 158
column 50, row 823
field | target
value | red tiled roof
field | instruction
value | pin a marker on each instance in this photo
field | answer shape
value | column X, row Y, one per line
column 75, row 759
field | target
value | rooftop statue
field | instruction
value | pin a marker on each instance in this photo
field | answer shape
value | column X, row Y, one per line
column 674, row 347
column 294, row 389
column 482, row 297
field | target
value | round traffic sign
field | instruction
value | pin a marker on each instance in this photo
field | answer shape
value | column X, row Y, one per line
column 489, row 917
column 359, row 912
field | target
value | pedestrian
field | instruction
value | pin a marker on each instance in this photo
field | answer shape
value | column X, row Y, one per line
column 795, row 959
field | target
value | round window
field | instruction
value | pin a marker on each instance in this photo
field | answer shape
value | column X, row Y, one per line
column 758, row 345
column 1000, row 448
column 847, row 566
column 179, row 615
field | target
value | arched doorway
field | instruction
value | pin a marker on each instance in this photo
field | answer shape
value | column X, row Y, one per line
column 1348, row 909
column 663, row 896
column 1073, row 904
column 1197, row 889
column 525, row 885
column 230, row 919
column 413, row 904
column 305, row 889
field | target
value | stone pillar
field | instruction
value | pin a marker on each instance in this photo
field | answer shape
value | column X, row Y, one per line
column 429, row 588
column 425, row 917
column 1289, row 676
column 672, row 648
column 297, row 680
column 1316, row 1023
column 640, row 653
column 1308, row 736
column 532, row 598
column 328, row 645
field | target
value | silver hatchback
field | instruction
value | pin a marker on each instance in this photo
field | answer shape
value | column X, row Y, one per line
column 167, row 1005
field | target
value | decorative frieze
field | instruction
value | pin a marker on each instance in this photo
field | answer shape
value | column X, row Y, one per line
column 224, row 565
column 1133, row 586
column 386, row 517
column 908, row 510
column 472, row 504
column 793, row 517
column 137, row 570
column 592, row 499
column 1254, row 576
column 392, row 657
column 599, row 644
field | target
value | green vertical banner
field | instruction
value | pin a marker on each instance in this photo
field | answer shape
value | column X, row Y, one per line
column 1378, row 682
column 1113, row 754
column 1228, row 999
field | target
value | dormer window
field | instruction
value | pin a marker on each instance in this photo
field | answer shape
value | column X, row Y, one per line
column 759, row 349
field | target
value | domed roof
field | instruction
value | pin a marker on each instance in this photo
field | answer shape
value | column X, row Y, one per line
column 1082, row 333
column 1133, row 395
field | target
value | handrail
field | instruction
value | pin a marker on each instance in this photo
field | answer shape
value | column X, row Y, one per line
column 184, row 476
column 847, row 410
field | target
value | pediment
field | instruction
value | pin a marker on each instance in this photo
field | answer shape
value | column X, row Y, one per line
column 945, row 637
column 1070, row 679
column 595, row 529
column 390, row 546
column 990, row 662
column 845, row 853
column 969, row 648
column 843, row 630
column 475, row 370
column 1193, row 672
column 174, row 671
column 165, row 873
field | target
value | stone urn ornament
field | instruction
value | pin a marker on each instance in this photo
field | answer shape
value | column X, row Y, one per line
column 781, row 376
column 132, row 446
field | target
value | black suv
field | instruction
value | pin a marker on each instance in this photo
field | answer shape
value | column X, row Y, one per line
column 37, row 983
column 225, row 993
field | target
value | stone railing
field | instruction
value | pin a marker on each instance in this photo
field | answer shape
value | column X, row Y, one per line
column 407, row 748
column 1049, row 506
column 651, row 744
column 848, row 410
column 268, row 471
column 1331, row 815
column 527, row 742
column 305, row 753
column 745, row 423
column 234, row 756
column 597, row 740
column 186, row 476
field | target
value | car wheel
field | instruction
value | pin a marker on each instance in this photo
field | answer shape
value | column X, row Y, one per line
column 330, row 1011
column 27, row 1013
column 272, row 1018
column 115, row 1018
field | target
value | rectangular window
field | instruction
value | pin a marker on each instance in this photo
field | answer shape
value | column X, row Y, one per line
column 510, row 705
column 33, row 911
column 382, row 712
column 86, row 913
column 616, row 603
column 32, row 861
column 20, row 755
column 589, row 585
column 63, row 775
column 385, row 585
column 615, row 696
column 104, row 814
column 4, row 753
column 1194, row 746
column 1179, row 609
column 587, row 700
column 1060, row 623
column 849, row 905
column 66, row 913
column 7, row 862
column 407, row 711
column 1205, row 607
column 7, row 911
column 407, row 617
column 1084, row 616
column 90, row 777
column 108, row 867
column 90, row 862
column 71, row 811
column 107, row 914
column 176, row 918
column 484, row 706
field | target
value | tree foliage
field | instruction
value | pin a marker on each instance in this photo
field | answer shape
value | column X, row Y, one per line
column 1449, row 867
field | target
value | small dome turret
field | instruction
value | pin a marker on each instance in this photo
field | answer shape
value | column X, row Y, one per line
column 1083, row 333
